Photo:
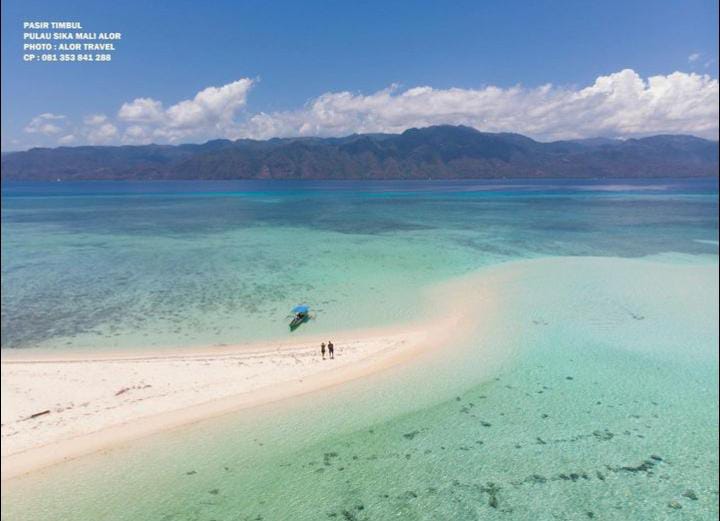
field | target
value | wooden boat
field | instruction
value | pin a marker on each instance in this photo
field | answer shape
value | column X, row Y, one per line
column 301, row 314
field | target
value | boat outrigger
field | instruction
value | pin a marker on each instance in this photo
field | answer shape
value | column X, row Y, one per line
column 301, row 314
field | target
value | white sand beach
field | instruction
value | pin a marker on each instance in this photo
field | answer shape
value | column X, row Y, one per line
column 59, row 407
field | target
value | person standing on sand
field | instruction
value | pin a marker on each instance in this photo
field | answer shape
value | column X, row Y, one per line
column 331, row 349
column 322, row 350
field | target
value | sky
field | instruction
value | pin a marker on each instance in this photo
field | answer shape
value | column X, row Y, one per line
column 189, row 71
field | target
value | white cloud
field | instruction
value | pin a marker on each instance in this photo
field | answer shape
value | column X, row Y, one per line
column 135, row 134
column 95, row 119
column 104, row 133
column 620, row 104
column 212, row 106
column 141, row 110
column 210, row 113
column 694, row 57
column 97, row 129
column 68, row 139
column 47, row 124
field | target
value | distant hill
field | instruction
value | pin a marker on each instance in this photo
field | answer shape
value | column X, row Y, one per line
column 439, row 152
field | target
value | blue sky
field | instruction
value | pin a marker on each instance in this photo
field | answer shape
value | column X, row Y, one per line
column 294, row 53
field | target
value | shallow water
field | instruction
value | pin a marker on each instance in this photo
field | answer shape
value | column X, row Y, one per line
column 137, row 265
column 589, row 393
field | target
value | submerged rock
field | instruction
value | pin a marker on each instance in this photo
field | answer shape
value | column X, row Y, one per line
column 690, row 494
column 409, row 494
column 491, row 489
column 603, row 435
column 645, row 466
column 327, row 458
column 348, row 515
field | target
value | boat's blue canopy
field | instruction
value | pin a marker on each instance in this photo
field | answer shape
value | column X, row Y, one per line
column 300, row 309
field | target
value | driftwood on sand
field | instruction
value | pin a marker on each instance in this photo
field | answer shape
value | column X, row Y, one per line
column 41, row 413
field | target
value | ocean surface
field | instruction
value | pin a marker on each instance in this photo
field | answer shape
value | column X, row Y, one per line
column 590, row 393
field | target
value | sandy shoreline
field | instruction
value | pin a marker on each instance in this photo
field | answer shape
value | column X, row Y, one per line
column 97, row 400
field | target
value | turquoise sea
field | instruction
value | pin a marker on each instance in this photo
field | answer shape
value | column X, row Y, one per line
column 590, row 393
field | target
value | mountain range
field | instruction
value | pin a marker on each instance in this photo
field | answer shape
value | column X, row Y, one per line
column 437, row 152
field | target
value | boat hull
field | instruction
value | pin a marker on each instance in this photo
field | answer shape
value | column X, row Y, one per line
column 297, row 321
